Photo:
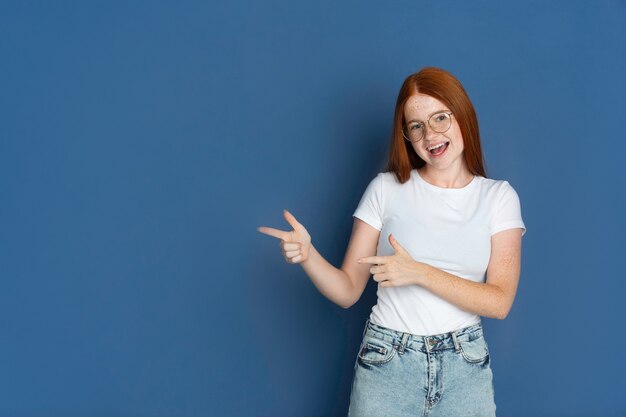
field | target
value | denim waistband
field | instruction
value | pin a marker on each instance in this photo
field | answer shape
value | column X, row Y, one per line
column 443, row 341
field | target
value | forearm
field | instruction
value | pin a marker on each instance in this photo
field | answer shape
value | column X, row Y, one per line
column 332, row 282
column 479, row 298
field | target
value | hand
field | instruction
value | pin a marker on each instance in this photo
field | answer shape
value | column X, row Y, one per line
column 295, row 245
column 396, row 270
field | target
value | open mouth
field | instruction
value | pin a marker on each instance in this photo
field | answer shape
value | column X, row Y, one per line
column 439, row 149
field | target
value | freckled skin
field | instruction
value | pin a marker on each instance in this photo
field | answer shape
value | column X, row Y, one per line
column 344, row 285
column 450, row 170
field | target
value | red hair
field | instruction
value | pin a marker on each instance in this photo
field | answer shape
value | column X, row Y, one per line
column 443, row 86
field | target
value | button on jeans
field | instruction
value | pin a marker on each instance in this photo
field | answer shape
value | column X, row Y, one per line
column 400, row 374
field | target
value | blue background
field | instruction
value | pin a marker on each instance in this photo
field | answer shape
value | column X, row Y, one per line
column 142, row 143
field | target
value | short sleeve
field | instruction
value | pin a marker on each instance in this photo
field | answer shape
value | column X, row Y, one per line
column 508, row 214
column 369, row 208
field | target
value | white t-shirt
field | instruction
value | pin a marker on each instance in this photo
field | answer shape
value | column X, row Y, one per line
column 447, row 228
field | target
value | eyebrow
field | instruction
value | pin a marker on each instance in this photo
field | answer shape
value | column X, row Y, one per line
column 429, row 116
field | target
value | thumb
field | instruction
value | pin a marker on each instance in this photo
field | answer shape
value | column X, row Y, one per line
column 291, row 220
column 396, row 245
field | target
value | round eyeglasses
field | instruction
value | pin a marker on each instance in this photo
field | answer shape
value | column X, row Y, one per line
column 415, row 130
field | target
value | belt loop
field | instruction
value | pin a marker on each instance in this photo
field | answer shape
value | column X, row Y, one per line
column 457, row 347
column 403, row 342
column 367, row 322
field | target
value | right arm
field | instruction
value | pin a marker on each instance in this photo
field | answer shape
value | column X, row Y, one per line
column 344, row 286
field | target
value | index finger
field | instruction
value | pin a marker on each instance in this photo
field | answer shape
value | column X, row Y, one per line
column 280, row 234
column 373, row 260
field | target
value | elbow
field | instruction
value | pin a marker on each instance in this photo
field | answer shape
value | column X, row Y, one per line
column 503, row 306
column 503, row 312
column 347, row 304
column 348, row 301
column 349, row 297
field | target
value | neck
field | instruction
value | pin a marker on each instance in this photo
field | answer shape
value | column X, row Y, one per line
column 447, row 179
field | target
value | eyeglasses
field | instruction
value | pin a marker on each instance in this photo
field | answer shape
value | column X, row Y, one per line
column 440, row 122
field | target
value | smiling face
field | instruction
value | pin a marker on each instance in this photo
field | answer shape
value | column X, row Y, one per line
column 420, row 107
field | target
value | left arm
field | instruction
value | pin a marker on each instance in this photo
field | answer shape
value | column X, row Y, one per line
column 493, row 298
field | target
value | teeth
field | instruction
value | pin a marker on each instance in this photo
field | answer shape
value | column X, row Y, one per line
column 437, row 146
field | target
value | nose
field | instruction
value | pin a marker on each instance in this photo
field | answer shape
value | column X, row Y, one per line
column 429, row 132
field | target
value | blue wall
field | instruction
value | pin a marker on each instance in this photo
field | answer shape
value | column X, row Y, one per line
column 142, row 143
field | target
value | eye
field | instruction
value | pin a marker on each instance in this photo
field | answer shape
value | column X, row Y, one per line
column 441, row 117
column 415, row 126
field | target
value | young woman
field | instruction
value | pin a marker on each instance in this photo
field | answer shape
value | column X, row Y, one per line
column 443, row 242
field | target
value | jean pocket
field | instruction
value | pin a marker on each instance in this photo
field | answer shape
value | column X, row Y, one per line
column 475, row 350
column 375, row 351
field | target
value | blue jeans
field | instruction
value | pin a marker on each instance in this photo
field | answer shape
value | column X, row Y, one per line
column 401, row 374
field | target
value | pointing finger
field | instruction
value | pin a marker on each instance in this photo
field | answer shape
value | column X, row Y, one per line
column 273, row 232
column 373, row 260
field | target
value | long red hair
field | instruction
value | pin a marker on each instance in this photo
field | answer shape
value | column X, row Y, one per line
column 443, row 86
